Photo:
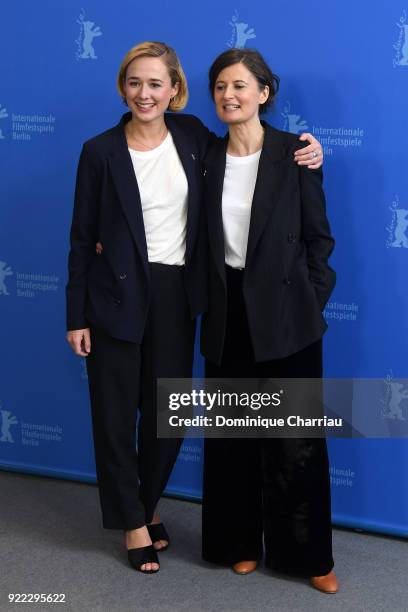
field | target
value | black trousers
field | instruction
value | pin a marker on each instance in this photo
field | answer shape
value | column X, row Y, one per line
column 274, row 492
column 122, row 382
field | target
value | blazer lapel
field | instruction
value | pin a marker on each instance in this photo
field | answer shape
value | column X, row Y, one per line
column 123, row 175
column 190, row 162
column 271, row 177
column 214, row 182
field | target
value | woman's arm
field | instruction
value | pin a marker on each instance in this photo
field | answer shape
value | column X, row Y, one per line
column 316, row 233
column 205, row 136
column 83, row 236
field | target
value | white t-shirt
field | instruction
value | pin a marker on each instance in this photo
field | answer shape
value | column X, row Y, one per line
column 163, row 191
column 237, row 195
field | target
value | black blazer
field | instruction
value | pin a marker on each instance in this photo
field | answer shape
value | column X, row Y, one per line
column 287, row 280
column 111, row 290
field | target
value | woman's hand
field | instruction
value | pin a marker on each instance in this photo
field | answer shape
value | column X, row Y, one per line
column 80, row 341
column 310, row 156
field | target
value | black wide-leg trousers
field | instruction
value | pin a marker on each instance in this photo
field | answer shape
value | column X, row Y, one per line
column 266, row 494
column 122, row 380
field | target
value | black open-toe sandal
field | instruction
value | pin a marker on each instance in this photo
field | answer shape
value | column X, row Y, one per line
column 139, row 556
column 158, row 532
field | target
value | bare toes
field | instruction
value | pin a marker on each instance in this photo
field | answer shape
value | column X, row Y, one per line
column 147, row 567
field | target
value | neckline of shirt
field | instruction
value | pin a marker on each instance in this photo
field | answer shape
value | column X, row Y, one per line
column 152, row 152
column 244, row 159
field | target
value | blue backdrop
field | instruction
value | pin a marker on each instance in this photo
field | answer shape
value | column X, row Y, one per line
column 344, row 71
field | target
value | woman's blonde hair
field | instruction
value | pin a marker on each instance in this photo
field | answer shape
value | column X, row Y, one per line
column 169, row 57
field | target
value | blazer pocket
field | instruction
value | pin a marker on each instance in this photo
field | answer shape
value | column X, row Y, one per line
column 102, row 278
column 312, row 285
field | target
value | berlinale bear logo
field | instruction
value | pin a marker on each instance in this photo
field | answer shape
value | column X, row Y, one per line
column 3, row 115
column 241, row 33
column 5, row 270
column 7, row 420
column 395, row 395
column 397, row 228
column 401, row 44
column 86, row 35
column 293, row 123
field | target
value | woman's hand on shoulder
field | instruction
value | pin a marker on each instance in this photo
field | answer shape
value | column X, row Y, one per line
column 80, row 341
column 310, row 156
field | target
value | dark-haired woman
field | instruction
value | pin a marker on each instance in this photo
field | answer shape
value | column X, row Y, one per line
column 269, row 282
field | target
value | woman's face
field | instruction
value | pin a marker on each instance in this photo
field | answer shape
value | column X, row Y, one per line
column 148, row 88
column 237, row 96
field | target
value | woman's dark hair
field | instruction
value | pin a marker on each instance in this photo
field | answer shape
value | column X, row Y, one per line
column 253, row 60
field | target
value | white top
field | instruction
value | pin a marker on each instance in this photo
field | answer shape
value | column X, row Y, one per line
column 163, row 191
column 237, row 194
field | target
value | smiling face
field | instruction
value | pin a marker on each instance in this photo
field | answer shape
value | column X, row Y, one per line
column 237, row 94
column 148, row 88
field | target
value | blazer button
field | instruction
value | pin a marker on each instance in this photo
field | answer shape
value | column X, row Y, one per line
column 291, row 238
column 286, row 280
column 122, row 276
column 116, row 302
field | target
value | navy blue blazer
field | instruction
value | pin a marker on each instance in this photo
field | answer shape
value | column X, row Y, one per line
column 111, row 290
column 287, row 279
